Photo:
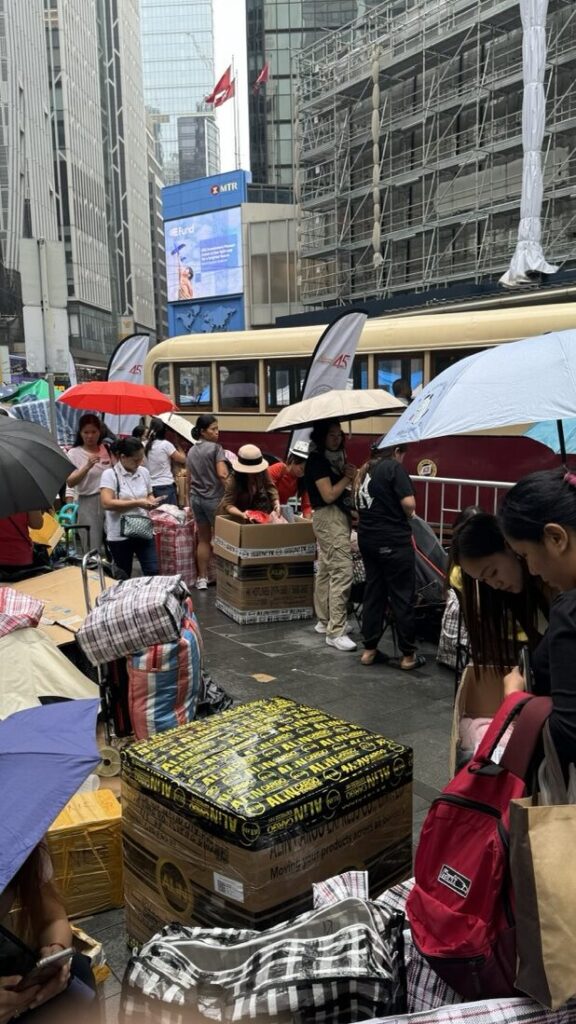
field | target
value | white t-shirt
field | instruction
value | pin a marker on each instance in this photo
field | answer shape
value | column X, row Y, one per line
column 159, row 463
column 125, row 485
column 90, row 484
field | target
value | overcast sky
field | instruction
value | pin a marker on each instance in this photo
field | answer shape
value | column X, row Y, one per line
column 230, row 45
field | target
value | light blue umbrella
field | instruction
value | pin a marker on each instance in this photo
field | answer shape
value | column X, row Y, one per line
column 518, row 382
column 546, row 432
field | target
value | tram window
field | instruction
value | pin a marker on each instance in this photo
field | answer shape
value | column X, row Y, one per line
column 238, row 386
column 162, row 378
column 442, row 360
column 284, row 382
column 359, row 377
column 193, row 386
column 390, row 368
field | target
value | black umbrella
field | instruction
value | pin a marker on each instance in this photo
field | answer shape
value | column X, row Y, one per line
column 32, row 467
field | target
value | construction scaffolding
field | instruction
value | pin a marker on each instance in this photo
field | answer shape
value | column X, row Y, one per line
column 408, row 148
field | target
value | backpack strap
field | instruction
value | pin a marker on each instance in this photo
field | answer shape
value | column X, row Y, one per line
column 527, row 732
column 528, row 714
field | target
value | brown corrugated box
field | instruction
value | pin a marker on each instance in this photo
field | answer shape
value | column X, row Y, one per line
column 85, row 844
column 229, row 821
column 255, row 544
column 480, row 694
column 274, row 586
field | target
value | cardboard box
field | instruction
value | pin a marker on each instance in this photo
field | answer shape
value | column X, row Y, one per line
column 479, row 695
column 265, row 593
column 85, row 844
column 229, row 821
column 261, row 544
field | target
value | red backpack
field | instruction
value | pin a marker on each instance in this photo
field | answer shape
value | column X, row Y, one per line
column 461, row 908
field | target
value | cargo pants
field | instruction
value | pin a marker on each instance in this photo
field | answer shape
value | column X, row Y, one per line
column 334, row 577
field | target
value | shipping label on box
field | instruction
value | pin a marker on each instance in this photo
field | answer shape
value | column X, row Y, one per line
column 266, row 769
column 263, row 543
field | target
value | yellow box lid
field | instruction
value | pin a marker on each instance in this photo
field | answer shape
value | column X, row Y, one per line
column 88, row 808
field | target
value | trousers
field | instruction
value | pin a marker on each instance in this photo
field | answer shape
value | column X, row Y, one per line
column 334, row 577
column 390, row 582
column 123, row 552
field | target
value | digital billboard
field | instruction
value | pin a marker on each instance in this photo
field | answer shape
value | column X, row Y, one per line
column 204, row 255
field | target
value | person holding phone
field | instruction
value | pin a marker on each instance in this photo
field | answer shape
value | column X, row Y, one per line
column 90, row 458
column 43, row 921
column 126, row 491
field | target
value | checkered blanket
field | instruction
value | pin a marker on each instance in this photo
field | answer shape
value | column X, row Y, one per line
column 18, row 611
column 133, row 615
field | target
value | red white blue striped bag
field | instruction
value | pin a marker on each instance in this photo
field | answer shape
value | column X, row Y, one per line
column 165, row 681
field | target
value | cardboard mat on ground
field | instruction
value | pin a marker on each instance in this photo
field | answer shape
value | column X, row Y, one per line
column 264, row 572
column 229, row 821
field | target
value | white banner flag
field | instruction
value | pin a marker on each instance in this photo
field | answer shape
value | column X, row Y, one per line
column 331, row 363
column 127, row 363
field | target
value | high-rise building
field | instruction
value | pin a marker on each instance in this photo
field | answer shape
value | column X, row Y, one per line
column 155, row 184
column 73, row 161
column 27, row 195
column 178, row 69
column 410, row 149
column 276, row 30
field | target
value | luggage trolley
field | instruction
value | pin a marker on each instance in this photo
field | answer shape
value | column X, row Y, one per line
column 110, row 763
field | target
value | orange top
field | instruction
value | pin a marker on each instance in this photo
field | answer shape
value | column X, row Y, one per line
column 287, row 486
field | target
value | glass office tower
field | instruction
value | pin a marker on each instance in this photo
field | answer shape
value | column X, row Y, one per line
column 178, row 69
column 275, row 31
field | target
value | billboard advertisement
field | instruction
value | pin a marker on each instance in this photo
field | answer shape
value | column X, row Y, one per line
column 204, row 255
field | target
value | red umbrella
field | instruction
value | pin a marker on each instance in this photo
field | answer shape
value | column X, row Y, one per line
column 119, row 398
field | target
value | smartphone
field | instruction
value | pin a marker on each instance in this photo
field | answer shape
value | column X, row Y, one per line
column 526, row 668
column 44, row 969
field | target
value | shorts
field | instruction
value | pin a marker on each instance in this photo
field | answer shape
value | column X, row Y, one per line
column 204, row 509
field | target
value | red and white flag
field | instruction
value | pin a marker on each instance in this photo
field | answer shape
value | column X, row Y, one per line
column 262, row 79
column 127, row 363
column 223, row 90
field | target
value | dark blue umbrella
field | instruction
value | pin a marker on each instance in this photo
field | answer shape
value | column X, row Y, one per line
column 46, row 753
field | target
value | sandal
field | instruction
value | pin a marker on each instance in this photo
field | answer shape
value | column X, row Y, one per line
column 418, row 662
column 378, row 658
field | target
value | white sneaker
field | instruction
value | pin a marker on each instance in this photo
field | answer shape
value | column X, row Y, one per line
column 341, row 643
column 201, row 583
column 320, row 627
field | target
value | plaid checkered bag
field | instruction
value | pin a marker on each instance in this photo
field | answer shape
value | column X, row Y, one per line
column 165, row 681
column 132, row 615
column 18, row 611
column 338, row 964
column 176, row 544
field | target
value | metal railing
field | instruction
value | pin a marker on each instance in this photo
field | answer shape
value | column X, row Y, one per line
column 439, row 499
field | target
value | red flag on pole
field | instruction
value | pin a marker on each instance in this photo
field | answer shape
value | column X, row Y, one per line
column 225, row 94
column 262, row 79
column 222, row 86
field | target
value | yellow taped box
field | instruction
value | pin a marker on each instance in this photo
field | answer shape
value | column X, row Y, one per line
column 85, row 844
column 229, row 821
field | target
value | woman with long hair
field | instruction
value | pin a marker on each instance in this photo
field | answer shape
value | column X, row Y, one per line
column 500, row 600
column 538, row 517
column 161, row 456
column 385, row 504
column 91, row 457
column 206, row 474
column 126, row 493
column 329, row 477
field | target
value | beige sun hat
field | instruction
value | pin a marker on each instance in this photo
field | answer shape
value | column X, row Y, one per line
column 249, row 460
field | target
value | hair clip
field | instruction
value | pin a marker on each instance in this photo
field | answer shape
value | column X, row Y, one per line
column 570, row 478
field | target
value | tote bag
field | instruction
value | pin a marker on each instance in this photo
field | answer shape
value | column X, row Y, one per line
column 542, row 844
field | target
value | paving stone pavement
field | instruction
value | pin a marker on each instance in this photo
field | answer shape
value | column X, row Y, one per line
column 291, row 660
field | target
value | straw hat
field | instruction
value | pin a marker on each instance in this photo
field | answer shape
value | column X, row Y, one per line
column 249, row 460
